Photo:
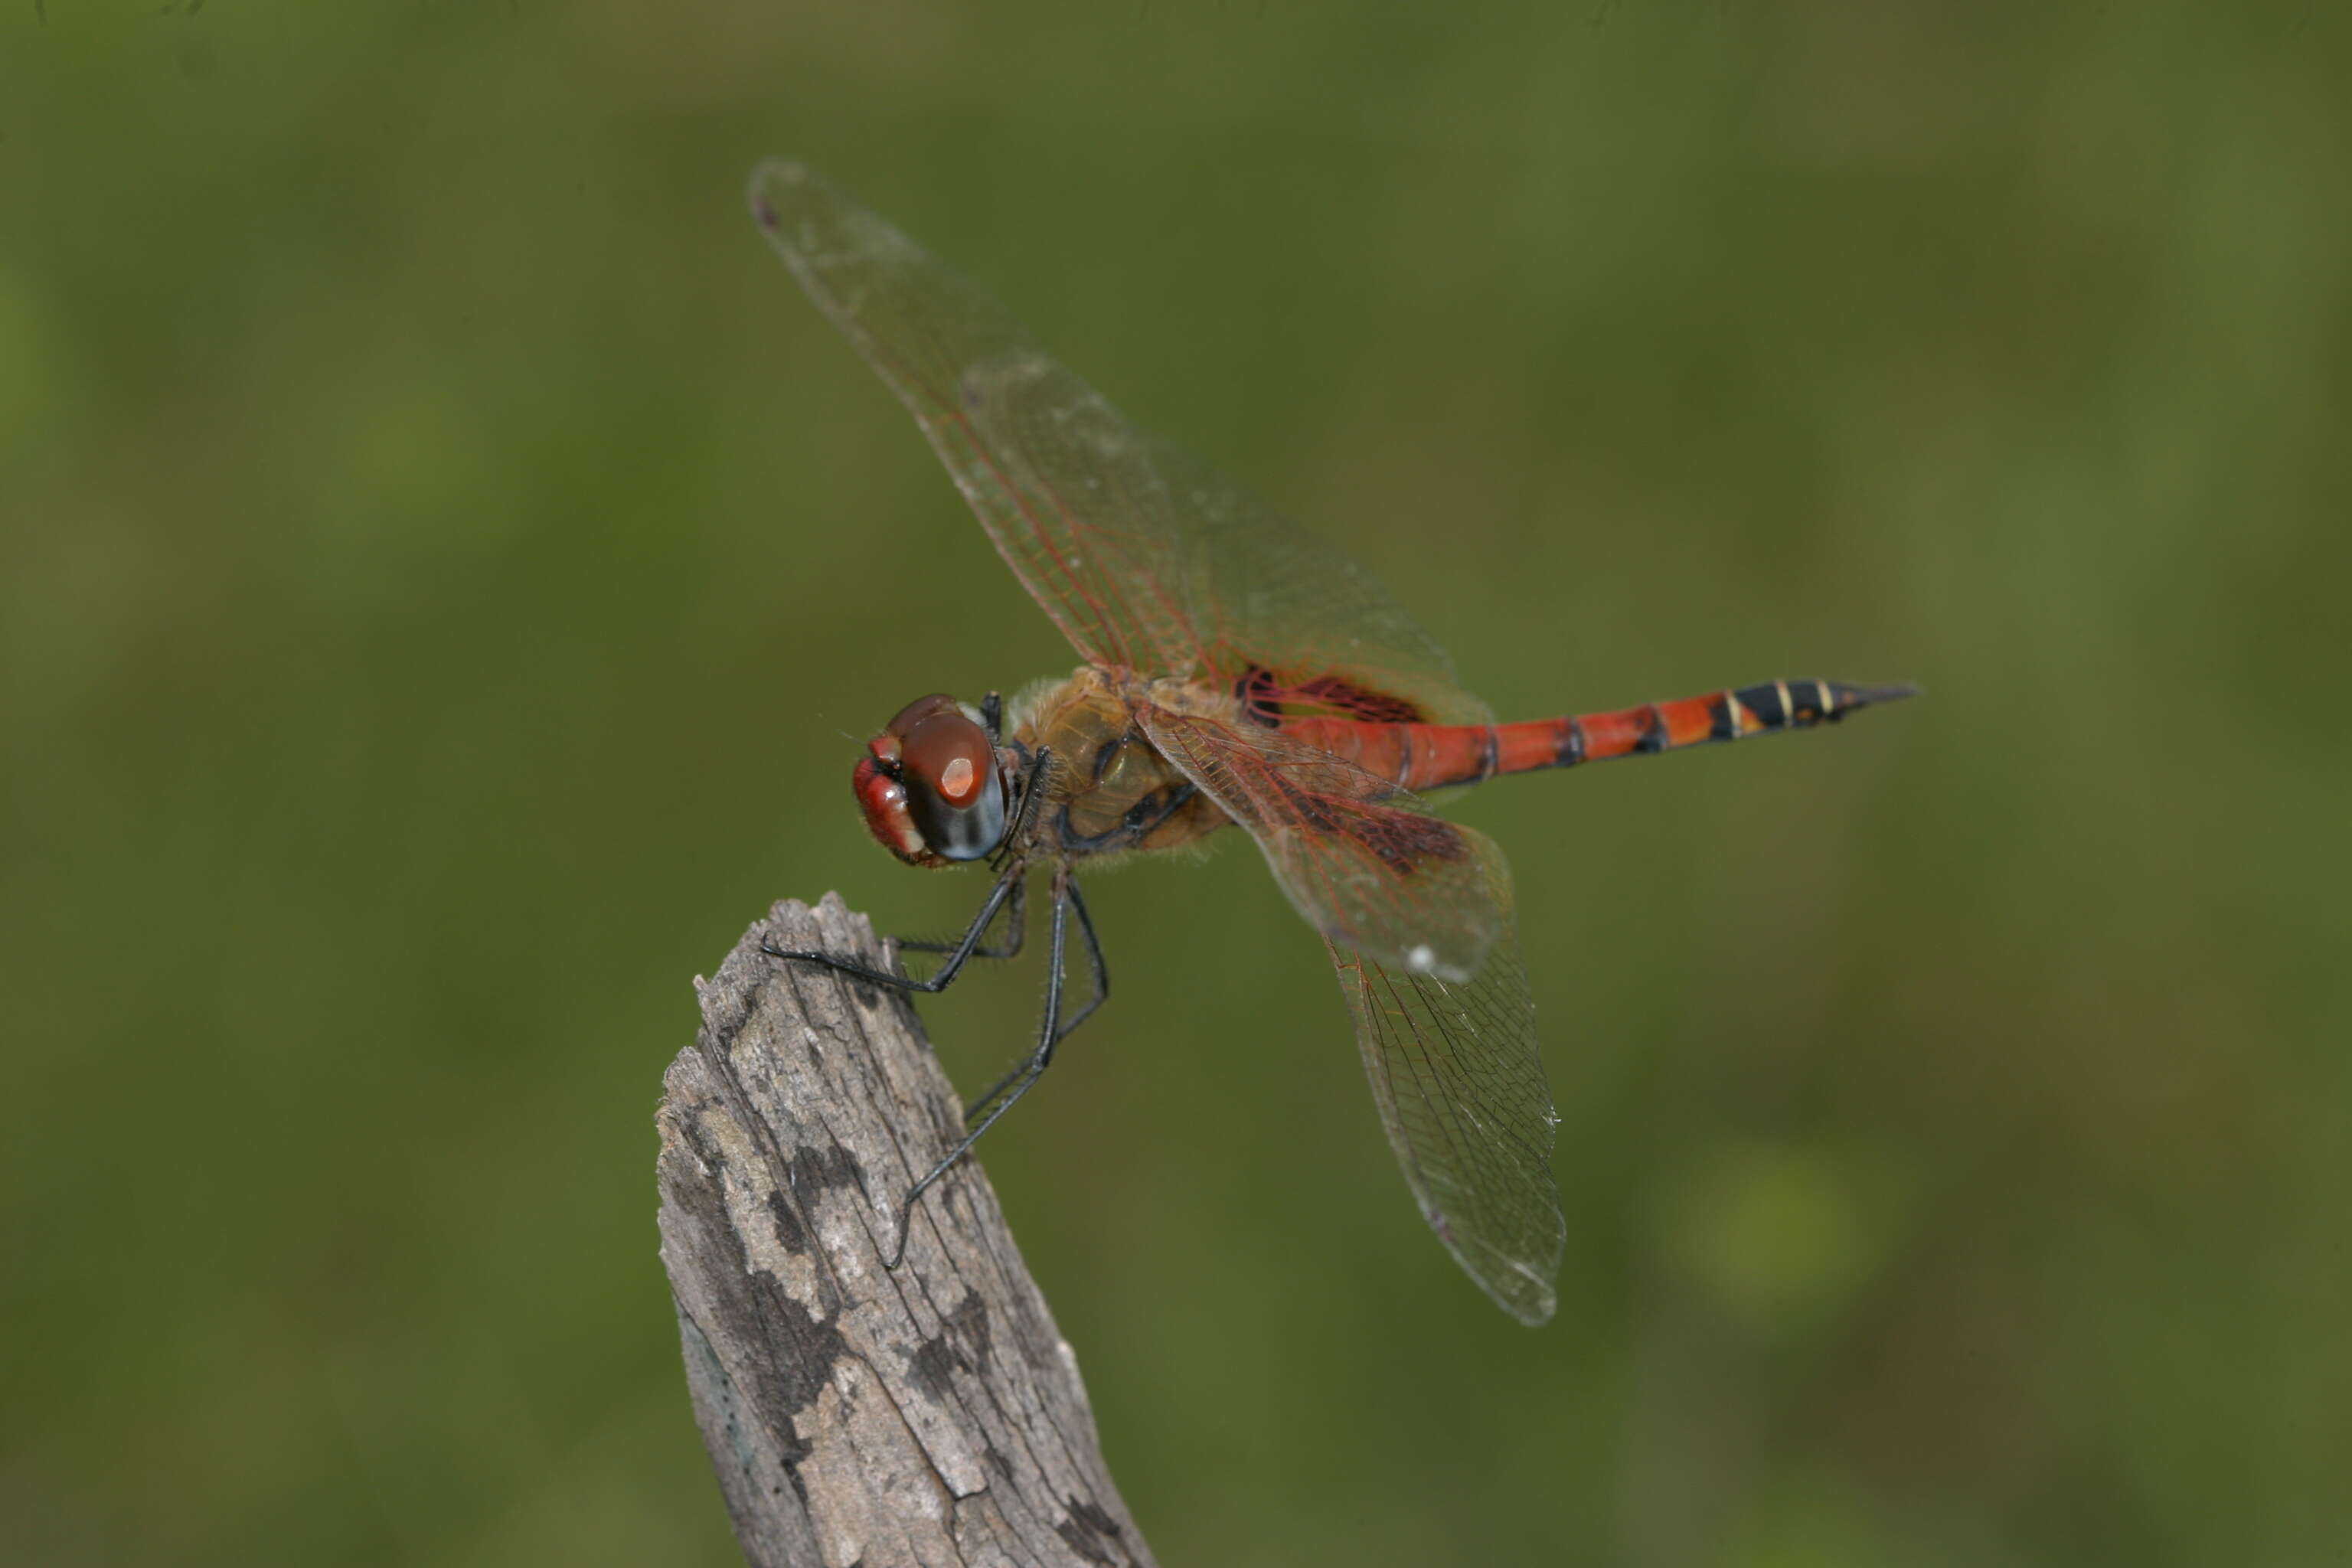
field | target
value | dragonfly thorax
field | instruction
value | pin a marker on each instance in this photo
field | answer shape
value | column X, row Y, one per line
column 931, row 786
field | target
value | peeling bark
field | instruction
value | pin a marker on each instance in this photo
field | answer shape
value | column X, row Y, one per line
column 930, row 1415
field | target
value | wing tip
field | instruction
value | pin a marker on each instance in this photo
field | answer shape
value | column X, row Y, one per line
column 1527, row 1293
column 783, row 176
column 1526, row 1290
column 1523, row 1291
column 1535, row 1314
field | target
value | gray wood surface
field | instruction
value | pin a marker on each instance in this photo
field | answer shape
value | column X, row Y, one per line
column 855, row 1414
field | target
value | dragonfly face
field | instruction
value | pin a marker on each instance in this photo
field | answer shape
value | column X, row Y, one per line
column 930, row 787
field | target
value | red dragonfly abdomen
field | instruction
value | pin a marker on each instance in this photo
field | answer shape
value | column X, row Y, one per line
column 1433, row 756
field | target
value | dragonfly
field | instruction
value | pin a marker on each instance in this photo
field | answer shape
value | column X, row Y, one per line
column 1238, row 671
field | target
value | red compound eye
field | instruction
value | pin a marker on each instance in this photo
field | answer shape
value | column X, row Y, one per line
column 948, row 768
column 950, row 753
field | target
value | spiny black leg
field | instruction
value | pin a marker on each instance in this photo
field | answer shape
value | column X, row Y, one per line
column 1094, row 958
column 946, row 973
column 1016, row 908
column 1048, row 1036
column 1068, row 1024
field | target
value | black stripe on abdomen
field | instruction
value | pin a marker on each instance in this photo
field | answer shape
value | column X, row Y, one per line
column 1722, row 722
column 1655, row 738
column 1765, row 703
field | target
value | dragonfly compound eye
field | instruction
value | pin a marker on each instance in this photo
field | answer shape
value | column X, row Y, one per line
column 929, row 787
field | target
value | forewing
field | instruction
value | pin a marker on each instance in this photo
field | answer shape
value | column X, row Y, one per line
column 1364, row 861
column 1460, row 1086
column 1145, row 557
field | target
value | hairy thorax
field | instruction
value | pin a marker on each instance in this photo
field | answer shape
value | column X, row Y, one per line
column 1109, row 791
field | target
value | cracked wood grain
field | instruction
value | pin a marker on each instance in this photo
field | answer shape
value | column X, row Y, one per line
column 930, row 1415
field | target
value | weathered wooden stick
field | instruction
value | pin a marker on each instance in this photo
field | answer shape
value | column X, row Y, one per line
column 930, row 1415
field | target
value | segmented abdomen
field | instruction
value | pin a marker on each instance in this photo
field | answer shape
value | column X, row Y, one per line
column 1433, row 756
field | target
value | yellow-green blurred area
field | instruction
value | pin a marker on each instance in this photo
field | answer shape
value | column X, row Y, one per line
column 447, row 568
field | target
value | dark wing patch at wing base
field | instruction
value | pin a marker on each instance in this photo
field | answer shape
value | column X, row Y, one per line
column 1362, row 860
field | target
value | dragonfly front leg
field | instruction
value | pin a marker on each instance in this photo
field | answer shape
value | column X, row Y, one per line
column 1016, row 918
column 1029, row 791
column 1052, row 1031
column 1008, row 887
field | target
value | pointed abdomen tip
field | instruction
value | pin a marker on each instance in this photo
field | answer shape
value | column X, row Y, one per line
column 1866, row 696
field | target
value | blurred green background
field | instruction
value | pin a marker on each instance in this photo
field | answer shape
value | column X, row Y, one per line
column 446, row 568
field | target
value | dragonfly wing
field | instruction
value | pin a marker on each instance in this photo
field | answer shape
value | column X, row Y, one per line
column 1460, row 1091
column 1417, row 912
column 942, row 344
column 1362, row 858
column 1144, row 556
column 1279, row 600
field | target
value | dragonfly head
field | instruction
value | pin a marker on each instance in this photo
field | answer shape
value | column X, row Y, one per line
column 930, row 787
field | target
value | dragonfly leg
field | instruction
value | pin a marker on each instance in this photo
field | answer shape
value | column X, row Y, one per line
column 1016, row 910
column 1050, row 1033
column 1008, row 886
column 1093, row 959
column 1069, row 885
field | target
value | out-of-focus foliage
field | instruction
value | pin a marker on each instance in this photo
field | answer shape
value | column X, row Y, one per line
column 445, row 565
